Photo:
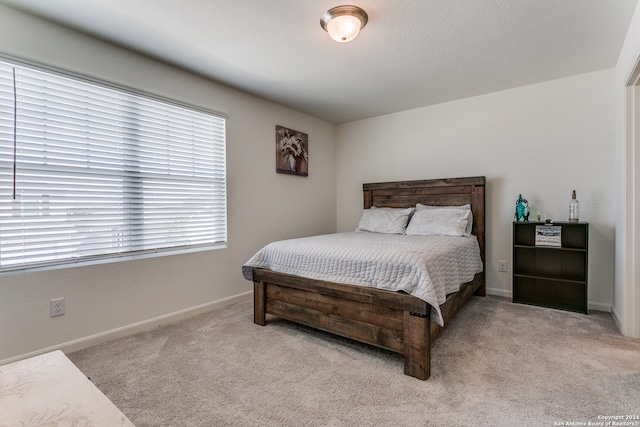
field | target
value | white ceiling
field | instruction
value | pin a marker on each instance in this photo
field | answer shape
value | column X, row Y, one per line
column 412, row 53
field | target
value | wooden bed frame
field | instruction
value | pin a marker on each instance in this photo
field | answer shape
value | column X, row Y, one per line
column 395, row 321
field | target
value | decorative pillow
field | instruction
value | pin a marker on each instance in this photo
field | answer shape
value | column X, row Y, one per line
column 441, row 221
column 467, row 231
column 385, row 220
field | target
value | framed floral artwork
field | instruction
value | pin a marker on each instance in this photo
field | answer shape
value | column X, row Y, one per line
column 292, row 151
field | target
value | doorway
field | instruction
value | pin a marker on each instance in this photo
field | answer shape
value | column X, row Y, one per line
column 631, row 283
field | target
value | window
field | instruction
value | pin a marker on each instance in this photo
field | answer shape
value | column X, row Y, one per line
column 90, row 171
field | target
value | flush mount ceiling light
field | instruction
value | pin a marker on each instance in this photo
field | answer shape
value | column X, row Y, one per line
column 343, row 23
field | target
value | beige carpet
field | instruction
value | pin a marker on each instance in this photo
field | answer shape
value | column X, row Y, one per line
column 496, row 364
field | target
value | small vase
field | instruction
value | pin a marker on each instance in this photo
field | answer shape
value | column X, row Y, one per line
column 292, row 162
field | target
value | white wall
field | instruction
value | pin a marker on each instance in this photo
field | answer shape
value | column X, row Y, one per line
column 626, row 299
column 542, row 141
column 105, row 300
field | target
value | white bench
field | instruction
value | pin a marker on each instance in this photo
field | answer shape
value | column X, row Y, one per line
column 50, row 390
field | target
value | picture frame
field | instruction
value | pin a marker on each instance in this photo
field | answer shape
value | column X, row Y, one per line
column 292, row 151
column 548, row 235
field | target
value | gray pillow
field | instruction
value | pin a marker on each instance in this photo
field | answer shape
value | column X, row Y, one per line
column 385, row 220
column 441, row 221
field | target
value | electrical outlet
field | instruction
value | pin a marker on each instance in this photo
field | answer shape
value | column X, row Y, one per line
column 502, row 266
column 56, row 307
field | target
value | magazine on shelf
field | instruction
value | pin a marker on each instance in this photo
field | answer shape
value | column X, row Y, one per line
column 548, row 235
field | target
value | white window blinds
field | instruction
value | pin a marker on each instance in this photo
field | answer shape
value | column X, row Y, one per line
column 88, row 171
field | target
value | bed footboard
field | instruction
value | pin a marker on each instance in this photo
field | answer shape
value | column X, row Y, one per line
column 392, row 320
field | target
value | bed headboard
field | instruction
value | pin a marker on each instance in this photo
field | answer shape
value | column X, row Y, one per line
column 449, row 191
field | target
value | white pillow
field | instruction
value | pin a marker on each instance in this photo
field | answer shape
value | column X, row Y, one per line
column 441, row 221
column 385, row 220
column 467, row 231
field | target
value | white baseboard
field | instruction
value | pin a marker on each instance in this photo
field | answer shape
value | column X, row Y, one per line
column 616, row 317
column 134, row 328
column 499, row 292
column 598, row 306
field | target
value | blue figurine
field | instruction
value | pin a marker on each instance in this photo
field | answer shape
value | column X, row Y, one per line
column 522, row 209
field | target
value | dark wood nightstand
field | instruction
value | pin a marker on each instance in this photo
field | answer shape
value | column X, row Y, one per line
column 551, row 276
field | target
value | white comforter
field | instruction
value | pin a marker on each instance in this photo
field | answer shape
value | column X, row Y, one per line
column 428, row 267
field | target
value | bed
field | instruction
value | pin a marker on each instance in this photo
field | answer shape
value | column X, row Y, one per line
column 396, row 321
